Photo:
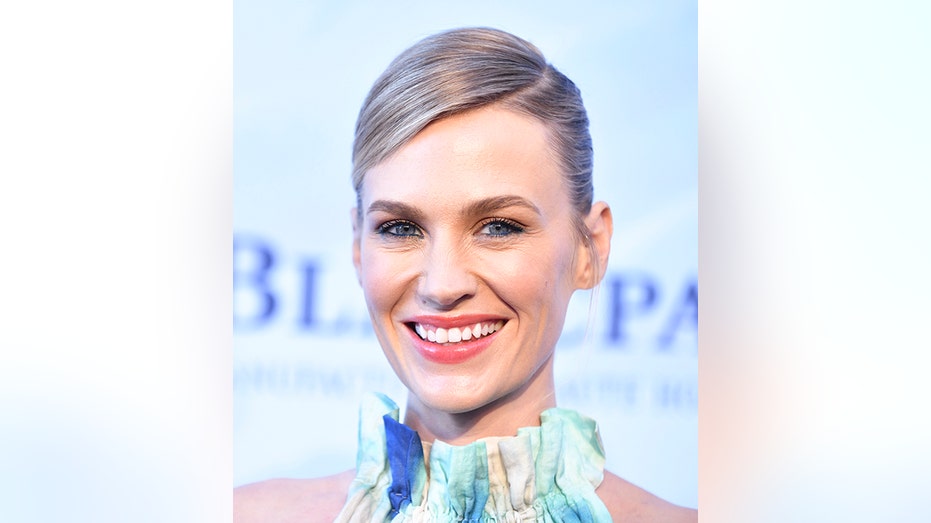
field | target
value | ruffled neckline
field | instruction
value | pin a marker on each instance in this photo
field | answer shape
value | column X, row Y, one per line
column 544, row 473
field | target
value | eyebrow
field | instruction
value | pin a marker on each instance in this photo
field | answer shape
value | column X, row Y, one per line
column 495, row 203
column 476, row 208
column 395, row 208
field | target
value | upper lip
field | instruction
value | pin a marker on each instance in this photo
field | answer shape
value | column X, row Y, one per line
column 458, row 321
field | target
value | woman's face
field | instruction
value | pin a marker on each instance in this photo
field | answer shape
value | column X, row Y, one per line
column 467, row 255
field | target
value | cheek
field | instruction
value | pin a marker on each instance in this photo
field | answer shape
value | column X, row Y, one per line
column 375, row 284
column 384, row 278
column 532, row 280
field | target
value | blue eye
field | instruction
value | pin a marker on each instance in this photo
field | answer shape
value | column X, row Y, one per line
column 400, row 229
column 499, row 227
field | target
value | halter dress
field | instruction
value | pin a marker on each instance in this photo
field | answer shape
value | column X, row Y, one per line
column 543, row 474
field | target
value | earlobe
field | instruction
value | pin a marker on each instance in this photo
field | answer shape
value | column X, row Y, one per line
column 356, row 242
column 600, row 224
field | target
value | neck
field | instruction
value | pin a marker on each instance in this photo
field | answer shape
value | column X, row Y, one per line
column 501, row 417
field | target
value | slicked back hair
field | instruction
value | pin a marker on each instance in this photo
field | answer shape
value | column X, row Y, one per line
column 464, row 69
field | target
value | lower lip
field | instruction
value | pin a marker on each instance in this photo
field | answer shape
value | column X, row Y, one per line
column 451, row 353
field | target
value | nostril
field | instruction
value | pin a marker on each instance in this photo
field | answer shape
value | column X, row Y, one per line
column 445, row 294
column 447, row 276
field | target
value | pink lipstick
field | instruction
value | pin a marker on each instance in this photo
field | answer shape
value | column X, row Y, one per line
column 451, row 340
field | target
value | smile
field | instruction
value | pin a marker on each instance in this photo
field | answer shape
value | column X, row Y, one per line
column 452, row 335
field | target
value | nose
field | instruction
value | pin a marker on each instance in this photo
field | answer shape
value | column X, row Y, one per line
column 447, row 279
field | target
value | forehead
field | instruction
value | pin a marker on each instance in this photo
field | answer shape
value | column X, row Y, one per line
column 477, row 154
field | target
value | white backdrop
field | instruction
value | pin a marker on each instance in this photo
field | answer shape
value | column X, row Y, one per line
column 303, row 351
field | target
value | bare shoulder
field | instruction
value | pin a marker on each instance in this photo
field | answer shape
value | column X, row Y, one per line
column 630, row 503
column 292, row 500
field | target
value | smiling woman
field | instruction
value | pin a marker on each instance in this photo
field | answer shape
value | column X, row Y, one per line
column 474, row 226
column 472, row 207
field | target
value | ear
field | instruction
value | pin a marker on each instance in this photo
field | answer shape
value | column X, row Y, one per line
column 593, row 256
column 356, row 242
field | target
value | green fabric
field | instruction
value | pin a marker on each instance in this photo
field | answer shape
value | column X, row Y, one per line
column 543, row 474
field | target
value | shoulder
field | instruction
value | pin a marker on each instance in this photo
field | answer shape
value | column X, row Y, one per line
column 628, row 502
column 291, row 500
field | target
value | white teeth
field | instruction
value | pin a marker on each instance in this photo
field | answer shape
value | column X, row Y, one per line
column 457, row 334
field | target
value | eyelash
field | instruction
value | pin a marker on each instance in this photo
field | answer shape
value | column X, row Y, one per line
column 512, row 227
column 385, row 229
column 390, row 228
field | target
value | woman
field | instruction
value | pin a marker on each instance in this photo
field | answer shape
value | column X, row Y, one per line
column 474, row 225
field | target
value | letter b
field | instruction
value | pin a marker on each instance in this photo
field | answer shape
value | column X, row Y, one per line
column 253, row 261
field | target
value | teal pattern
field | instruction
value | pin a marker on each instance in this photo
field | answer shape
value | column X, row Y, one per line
column 543, row 474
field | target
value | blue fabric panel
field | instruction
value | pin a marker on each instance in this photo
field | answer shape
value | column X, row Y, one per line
column 405, row 458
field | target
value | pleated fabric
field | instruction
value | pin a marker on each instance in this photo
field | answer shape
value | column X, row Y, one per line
column 543, row 474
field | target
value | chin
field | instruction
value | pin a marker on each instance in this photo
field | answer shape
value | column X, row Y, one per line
column 457, row 396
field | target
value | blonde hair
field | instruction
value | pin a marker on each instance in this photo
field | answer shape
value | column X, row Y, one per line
column 462, row 69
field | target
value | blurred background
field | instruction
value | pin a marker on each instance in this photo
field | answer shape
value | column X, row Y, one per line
column 303, row 350
column 115, row 210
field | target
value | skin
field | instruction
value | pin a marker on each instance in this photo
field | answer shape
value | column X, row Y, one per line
column 448, row 227
column 471, row 205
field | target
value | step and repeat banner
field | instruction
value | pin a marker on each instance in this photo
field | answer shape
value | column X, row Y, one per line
column 304, row 351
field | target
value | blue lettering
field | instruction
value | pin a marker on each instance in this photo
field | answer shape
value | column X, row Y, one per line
column 308, row 319
column 253, row 261
column 630, row 296
column 684, row 317
column 678, row 395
